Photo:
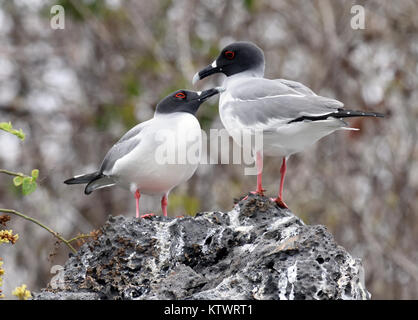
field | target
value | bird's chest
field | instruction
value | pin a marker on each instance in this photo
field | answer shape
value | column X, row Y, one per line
column 230, row 113
column 168, row 157
column 227, row 109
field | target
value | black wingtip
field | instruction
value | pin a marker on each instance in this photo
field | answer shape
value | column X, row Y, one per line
column 69, row 181
column 340, row 113
column 356, row 113
column 90, row 185
column 85, row 178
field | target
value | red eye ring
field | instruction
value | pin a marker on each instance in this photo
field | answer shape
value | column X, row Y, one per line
column 180, row 95
column 229, row 54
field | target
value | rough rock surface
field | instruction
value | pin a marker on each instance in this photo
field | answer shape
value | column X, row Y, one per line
column 255, row 251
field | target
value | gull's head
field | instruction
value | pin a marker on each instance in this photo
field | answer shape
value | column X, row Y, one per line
column 235, row 58
column 185, row 100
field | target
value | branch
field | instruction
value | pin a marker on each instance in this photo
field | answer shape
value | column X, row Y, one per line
column 7, row 126
column 55, row 234
column 11, row 173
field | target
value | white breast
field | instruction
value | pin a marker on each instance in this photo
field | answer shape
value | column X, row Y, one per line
column 168, row 154
column 226, row 106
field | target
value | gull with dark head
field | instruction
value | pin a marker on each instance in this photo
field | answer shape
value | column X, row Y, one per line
column 139, row 161
column 289, row 115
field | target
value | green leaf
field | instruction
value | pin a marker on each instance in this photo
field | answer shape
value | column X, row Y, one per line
column 35, row 174
column 7, row 126
column 28, row 185
column 17, row 181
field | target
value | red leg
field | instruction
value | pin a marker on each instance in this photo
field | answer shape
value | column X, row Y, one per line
column 282, row 173
column 279, row 199
column 259, row 164
column 137, row 196
column 164, row 202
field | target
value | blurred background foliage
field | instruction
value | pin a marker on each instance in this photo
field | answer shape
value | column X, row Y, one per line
column 75, row 91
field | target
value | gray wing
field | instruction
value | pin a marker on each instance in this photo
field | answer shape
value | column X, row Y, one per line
column 264, row 104
column 299, row 87
column 126, row 144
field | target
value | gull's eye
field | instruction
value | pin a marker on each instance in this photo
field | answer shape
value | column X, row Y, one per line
column 180, row 95
column 229, row 55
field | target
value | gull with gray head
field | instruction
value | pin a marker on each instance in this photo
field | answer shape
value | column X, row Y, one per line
column 289, row 115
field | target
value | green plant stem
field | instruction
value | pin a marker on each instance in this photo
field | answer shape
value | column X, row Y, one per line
column 55, row 234
column 11, row 173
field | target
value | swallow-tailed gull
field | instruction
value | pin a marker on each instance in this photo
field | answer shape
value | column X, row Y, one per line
column 140, row 160
column 289, row 115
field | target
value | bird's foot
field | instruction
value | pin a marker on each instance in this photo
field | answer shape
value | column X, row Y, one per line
column 259, row 192
column 148, row 216
column 280, row 202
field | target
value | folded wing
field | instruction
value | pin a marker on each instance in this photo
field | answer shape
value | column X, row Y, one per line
column 263, row 104
column 126, row 144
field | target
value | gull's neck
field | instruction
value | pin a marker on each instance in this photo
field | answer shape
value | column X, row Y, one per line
column 252, row 73
column 171, row 115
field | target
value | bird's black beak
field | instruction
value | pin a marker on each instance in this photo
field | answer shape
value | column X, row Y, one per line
column 204, row 95
column 210, row 69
